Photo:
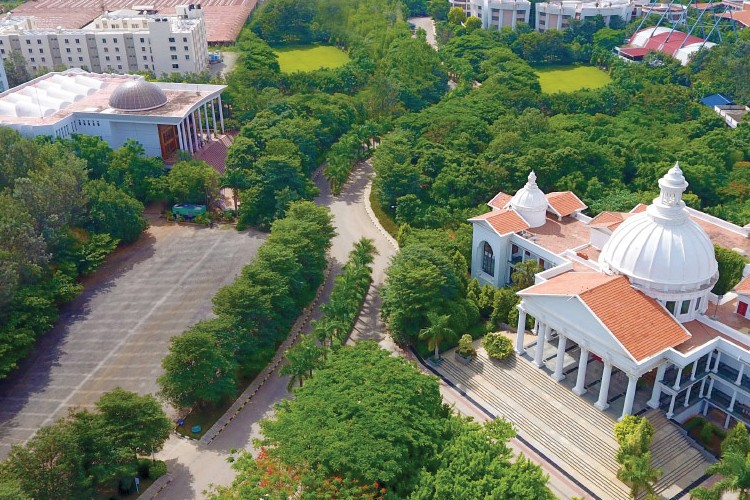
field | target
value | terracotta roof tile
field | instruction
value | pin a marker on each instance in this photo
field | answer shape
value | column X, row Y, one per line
column 743, row 286
column 565, row 203
column 613, row 301
column 639, row 208
column 503, row 221
column 500, row 200
column 610, row 220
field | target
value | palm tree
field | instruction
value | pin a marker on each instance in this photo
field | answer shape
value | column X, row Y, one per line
column 234, row 179
column 302, row 359
column 636, row 471
column 734, row 468
column 364, row 252
column 437, row 332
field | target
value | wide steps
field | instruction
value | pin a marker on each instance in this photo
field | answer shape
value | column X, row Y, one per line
column 568, row 429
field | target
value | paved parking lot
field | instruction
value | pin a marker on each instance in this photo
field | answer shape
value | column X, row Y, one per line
column 118, row 330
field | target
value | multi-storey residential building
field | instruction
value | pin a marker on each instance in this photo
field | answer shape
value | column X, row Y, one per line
column 463, row 4
column 557, row 15
column 3, row 79
column 124, row 41
column 496, row 14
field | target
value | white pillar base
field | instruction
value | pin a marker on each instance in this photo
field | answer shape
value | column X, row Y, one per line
column 601, row 407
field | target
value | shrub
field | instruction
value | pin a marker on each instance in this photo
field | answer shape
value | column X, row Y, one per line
column 202, row 219
column 465, row 347
column 497, row 345
column 157, row 469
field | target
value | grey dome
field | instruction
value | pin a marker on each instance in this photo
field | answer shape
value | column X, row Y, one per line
column 137, row 95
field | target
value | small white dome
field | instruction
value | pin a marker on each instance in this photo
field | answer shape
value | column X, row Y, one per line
column 663, row 249
column 137, row 95
column 530, row 203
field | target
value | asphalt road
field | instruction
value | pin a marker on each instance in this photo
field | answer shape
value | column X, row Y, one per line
column 118, row 330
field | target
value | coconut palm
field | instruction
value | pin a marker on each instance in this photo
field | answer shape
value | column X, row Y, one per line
column 734, row 469
column 302, row 359
column 364, row 252
column 437, row 332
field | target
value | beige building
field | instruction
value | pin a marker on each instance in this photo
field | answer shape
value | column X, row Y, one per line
column 496, row 14
column 125, row 41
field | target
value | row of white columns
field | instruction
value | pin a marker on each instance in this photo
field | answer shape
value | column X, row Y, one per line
column 190, row 131
column 543, row 335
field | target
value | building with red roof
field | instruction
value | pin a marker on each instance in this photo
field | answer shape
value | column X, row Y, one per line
column 668, row 41
column 628, row 291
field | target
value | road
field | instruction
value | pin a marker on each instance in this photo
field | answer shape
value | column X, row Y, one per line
column 427, row 24
column 117, row 331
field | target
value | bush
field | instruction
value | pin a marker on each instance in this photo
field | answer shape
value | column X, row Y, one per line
column 465, row 347
column 157, row 469
column 497, row 345
column 202, row 219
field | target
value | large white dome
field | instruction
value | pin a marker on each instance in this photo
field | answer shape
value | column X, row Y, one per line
column 137, row 95
column 530, row 202
column 663, row 249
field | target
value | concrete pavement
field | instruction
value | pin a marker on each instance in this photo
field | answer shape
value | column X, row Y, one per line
column 117, row 331
column 427, row 24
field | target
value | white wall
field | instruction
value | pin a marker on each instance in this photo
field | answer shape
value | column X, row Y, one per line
column 145, row 133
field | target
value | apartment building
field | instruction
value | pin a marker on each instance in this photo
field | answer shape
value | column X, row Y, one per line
column 3, row 79
column 496, row 14
column 125, row 41
column 557, row 15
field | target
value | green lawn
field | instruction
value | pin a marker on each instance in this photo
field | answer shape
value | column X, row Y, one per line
column 310, row 58
column 570, row 78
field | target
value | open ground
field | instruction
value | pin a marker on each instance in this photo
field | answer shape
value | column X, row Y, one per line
column 224, row 18
column 117, row 332
column 310, row 58
column 555, row 79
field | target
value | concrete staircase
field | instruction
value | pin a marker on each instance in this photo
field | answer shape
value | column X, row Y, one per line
column 566, row 428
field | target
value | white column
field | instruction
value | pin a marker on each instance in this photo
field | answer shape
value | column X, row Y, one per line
column 695, row 369
column 627, row 409
column 739, row 375
column 213, row 118
column 670, row 412
column 710, row 388
column 195, row 132
column 560, row 360
column 716, row 364
column 734, row 399
column 221, row 115
column 539, row 353
column 537, row 324
column 601, row 403
column 208, row 124
column 180, row 137
column 200, row 125
column 583, row 361
column 656, row 391
column 703, row 384
column 520, row 332
column 676, row 385
column 189, row 135
column 687, row 396
column 708, row 361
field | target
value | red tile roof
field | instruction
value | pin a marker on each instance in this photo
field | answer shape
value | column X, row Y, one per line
column 639, row 208
column 503, row 221
column 610, row 220
column 634, row 51
column 565, row 203
column 667, row 42
column 613, row 301
column 742, row 17
column 500, row 200
column 743, row 286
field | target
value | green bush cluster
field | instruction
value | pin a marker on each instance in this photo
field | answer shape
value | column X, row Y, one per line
column 466, row 347
column 254, row 313
column 497, row 345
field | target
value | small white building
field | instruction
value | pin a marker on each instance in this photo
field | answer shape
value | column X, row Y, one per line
column 163, row 117
column 629, row 292
column 497, row 14
column 124, row 41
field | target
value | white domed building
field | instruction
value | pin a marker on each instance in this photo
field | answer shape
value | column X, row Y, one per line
column 625, row 296
column 163, row 117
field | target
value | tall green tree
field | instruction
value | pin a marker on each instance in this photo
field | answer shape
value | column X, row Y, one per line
column 302, row 359
column 437, row 332
column 113, row 211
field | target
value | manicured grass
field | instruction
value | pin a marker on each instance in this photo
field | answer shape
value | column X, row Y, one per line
column 310, row 58
column 555, row 79
column 385, row 220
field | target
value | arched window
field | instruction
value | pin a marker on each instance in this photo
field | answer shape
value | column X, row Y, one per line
column 488, row 259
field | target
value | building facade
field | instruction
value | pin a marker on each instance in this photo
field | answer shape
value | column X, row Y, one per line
column 557, row 15
column 125, row 41
column 497, row 14
column 163, row 117
column 630, row 292
column 3, row 79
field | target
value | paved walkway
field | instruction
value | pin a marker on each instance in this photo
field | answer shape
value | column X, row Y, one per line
column 427, row 24
column 567, row 428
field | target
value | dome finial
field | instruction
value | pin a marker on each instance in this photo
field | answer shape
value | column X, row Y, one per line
column 672, row 185
column 532, row 180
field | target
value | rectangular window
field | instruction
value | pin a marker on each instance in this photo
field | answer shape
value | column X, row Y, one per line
column 119, row 66
column 67, row 50
column 31, row 51
column 106, row 49
column 44, row 60
column 39, row 41
column 41, row 51
column 143, row 40
column 671, row 305
column 2, row 51
column 106, row 58
column 145, row 58
column 184, row 39
column 171, row 40
column 117, row 49
column 685, row 307
column 118, row 58
column 70, row 59
column 79, row 50
column 174, row 58
column 143, row 49
column 33, row 60
column 28, row 42
column 104, row 40
column 173, row 49
column 186, row 48
column 67, row 41
column 175, row 66
column 80, row 59
column 187, row 58
column 78, row 40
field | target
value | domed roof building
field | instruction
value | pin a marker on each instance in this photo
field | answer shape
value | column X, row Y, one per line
column 664, row 252
column 137, row 95
column 625, row 291
column 530, row 202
